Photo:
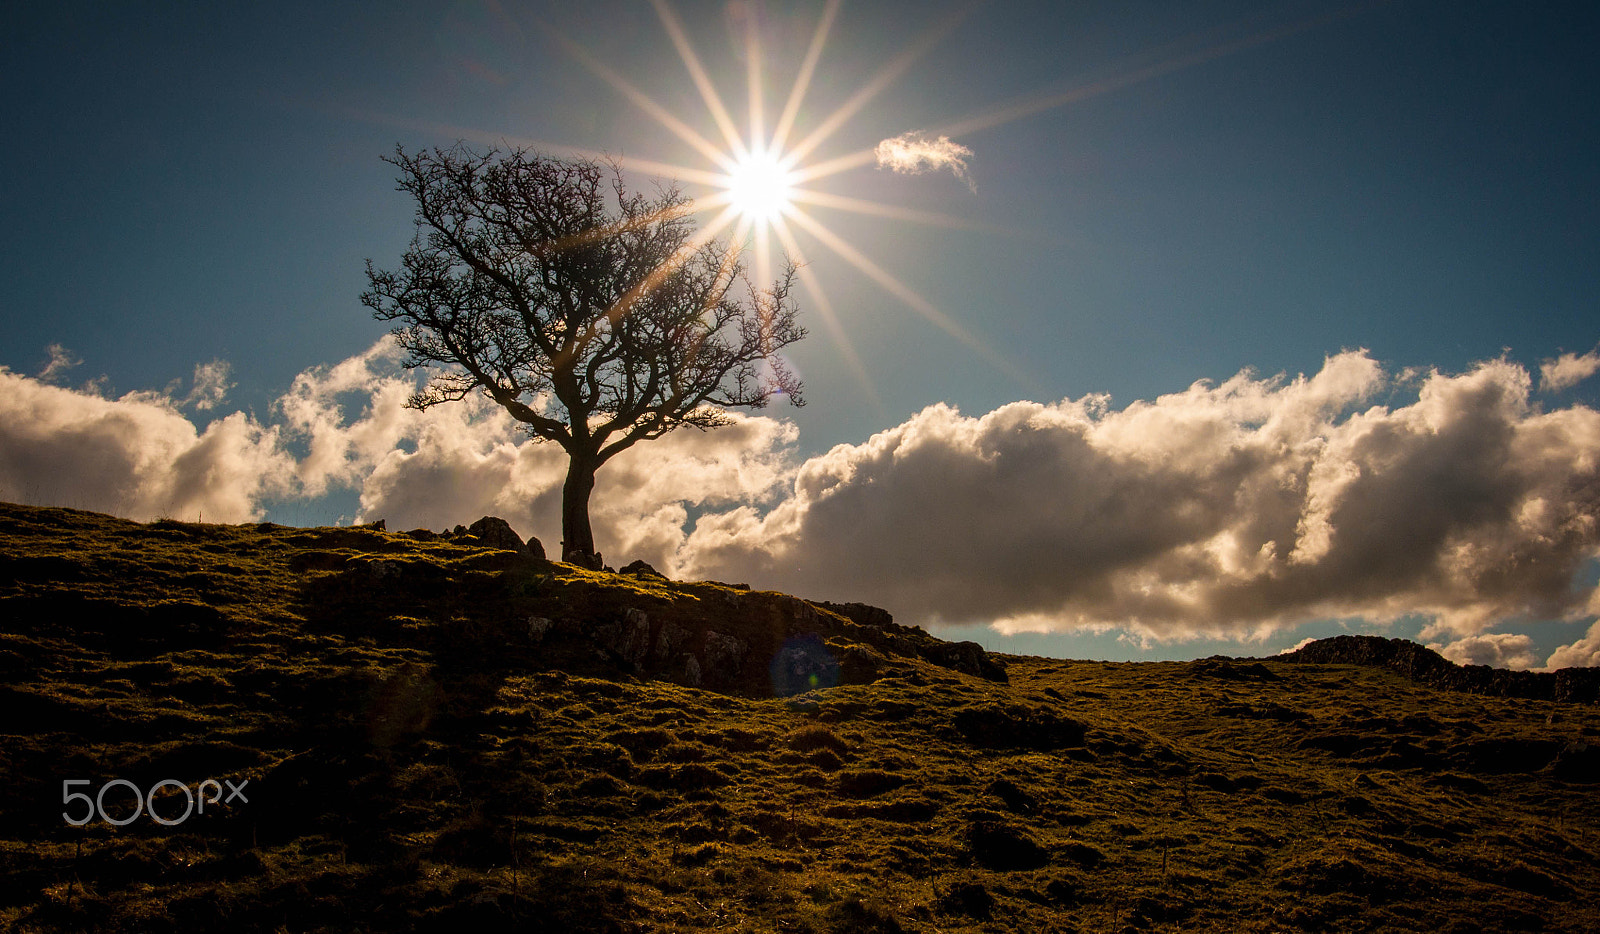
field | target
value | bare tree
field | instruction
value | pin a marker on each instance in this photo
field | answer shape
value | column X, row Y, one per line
column 594, row 315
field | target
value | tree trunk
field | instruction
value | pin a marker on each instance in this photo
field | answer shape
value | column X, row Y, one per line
column 577, row 539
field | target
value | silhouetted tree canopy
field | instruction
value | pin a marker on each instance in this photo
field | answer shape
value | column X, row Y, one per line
column 596, row 316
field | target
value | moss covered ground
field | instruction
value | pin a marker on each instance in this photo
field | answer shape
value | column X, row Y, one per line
column 435, row 735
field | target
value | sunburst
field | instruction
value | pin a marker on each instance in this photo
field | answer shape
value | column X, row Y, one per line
column 757, row 181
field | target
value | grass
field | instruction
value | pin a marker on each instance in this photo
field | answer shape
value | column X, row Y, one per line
column 420, row 757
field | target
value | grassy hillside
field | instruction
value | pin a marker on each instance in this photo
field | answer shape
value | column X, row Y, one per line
column 439, row 735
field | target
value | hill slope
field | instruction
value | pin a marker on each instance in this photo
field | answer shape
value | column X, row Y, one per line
column 429, row 733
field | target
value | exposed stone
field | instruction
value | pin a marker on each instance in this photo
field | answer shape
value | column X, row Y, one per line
column 1420, row 664
column 861, row 613
column 723, row 657
column 691, row 670
column 494, row 532
column 967, row 657
column 669, row 643
column 585, row 560
column 803, row 664
column 635, row 636
column 641, row 569
column 536, row 548
column 626, row 640
column 538, row 628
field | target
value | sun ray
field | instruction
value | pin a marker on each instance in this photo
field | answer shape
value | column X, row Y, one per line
column 904, row 292
column 895, row 212
column 663, row 169
column 885, row 76
column 763, row 252
column 682, row 130
column 824, row 307
column 752, row 54
column 697, row 72
column 834, row 166
column 802, row 81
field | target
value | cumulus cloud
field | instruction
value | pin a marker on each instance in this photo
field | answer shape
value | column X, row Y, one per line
column 916, row 153
column 346, row 426
column 1585, row 653
column 1231, row 510
column 134, row 456
column 470, row 460
column 1496, row 649
column 1567, row 370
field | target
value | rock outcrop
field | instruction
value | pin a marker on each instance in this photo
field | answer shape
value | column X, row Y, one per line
column 494, row 532
column 1423, row 665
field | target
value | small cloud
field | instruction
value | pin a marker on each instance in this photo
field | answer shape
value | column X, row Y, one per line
column 61, row 360
column 1495, row 649
column 1567, row 370
column 916, row 153
column 210, row 385
column 1298, row 645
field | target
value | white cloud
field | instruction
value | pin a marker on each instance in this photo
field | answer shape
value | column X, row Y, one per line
column 61, row 360
column 1584, row 653
column 915, row 153
column 1298, row 645
column 1496, row 649
column 210, row 385
column 1567, row 370
column 471, row 460
column 1232, row 510
column 135, row 456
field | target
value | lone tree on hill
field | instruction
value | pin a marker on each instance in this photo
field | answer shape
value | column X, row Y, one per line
column 595, row 316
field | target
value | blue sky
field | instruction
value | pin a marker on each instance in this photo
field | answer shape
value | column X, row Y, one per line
column 1222, row 187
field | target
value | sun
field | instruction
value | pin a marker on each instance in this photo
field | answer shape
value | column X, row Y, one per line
column 759, row 187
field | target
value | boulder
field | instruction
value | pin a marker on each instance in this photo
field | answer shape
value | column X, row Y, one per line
column 968, row 658
column 641, row 569
column 536, row 548
column 585, row 560
column 494, row 532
